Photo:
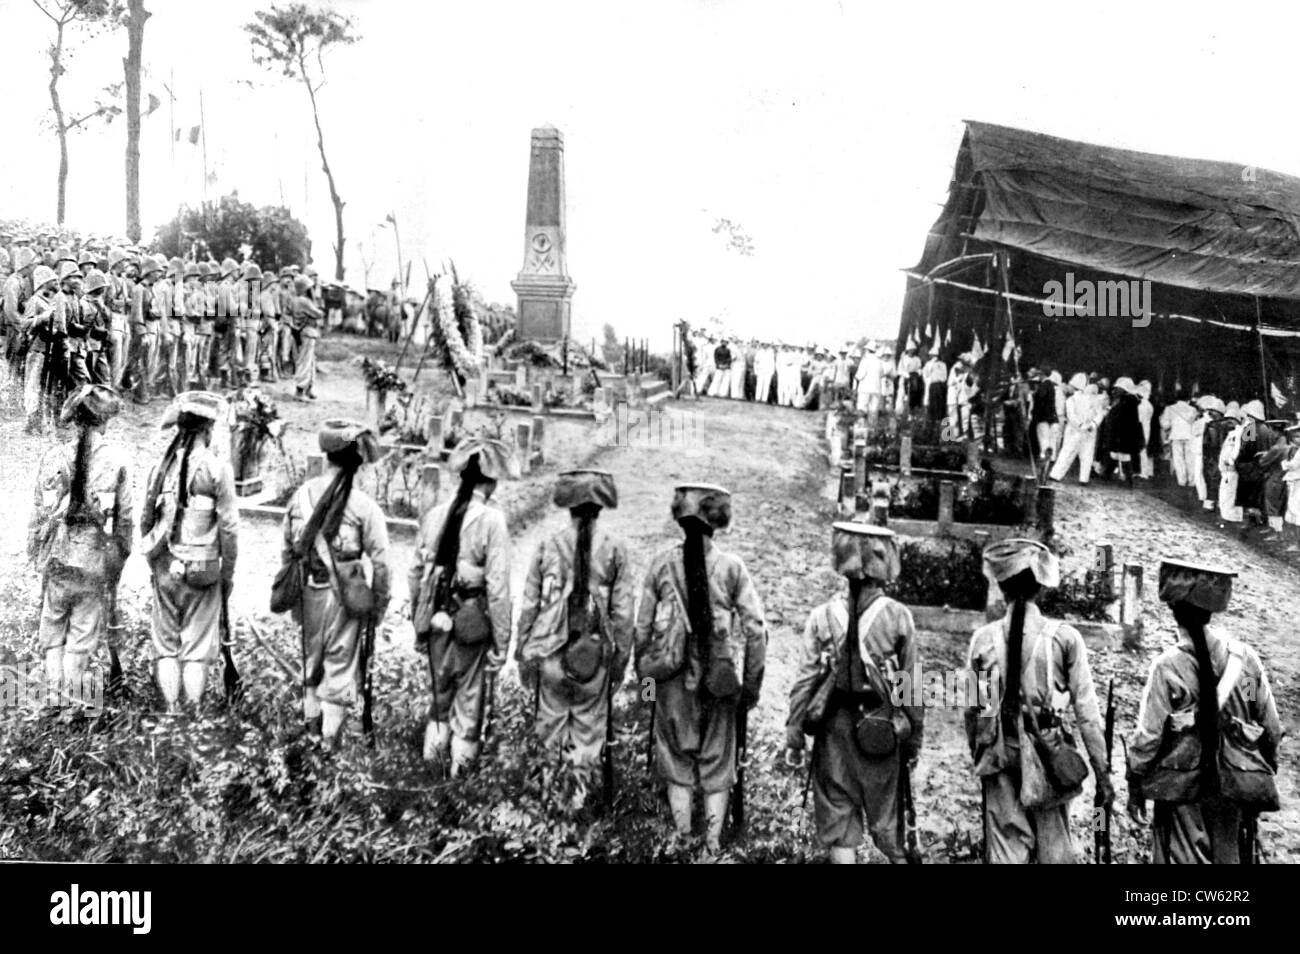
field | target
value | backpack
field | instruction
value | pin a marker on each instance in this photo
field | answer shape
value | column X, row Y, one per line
column 584, row 652
column 663, row 655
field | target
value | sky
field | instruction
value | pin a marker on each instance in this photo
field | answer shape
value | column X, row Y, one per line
column 825, row 130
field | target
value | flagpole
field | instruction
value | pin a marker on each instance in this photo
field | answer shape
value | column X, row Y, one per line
column 1263, row 366
column 203, row 134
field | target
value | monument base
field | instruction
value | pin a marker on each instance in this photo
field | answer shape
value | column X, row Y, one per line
column 544, row 307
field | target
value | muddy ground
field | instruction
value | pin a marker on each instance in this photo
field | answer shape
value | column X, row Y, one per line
column 774, row 461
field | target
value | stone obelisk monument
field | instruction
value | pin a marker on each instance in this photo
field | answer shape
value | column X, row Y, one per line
column 543, row 285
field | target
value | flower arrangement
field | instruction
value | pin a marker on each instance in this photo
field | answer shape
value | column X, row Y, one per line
column 381, row 377
column 457, row 332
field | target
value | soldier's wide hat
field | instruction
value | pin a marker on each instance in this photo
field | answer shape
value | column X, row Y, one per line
column 496, row 461
column 95, row 401
column 707, row 503
column 252, row 273
column 1209, row 402
column 205, row 404
column 68, row 270
column 1079, row 381
column 1005, row 558
column 87, row 257
column 862, row 551
column 1126, row 385
column 586, row 486
column 229, row 267
column 23, row 257
column 338, row 435
column 1254, row 409
column 149, row 266
column 1208, row 587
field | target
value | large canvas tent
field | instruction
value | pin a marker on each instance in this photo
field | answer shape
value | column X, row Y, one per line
column 1219, row 243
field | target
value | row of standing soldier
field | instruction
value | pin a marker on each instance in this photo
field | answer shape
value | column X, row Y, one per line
column 146, row 323
column 1205, row 746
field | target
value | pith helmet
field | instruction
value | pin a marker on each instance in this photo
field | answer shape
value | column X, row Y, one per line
column 251, row 272
column 95, row 281
column 43, row 275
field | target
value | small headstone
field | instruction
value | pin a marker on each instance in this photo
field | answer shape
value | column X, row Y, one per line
column 523, row 445
column 880, row 503
column 860, row 465
column 538, row 396
column 947, row 496
column 434, row 434
column 905, row 455
column 1130, row 611
column 1104, row 567
column 521, row 377
column 1045, row 510
column 598, row 399
column 430, row 477
column 539, row 430
column 848, row 494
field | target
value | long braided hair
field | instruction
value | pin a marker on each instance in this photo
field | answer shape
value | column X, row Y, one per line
column 1019, row 591
column 1194, row 619
column 79, row 508
column 449, row 543
column 698, row 610
column 585, row 514
column 189, row 429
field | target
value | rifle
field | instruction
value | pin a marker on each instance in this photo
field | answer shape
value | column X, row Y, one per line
column 489, row 707
column 606, row 756
column 650, row 742
column 115, row 683
column 908, row 812
column 1248, row 852
column 1101, row 836
column 742, row 746
column 229, row 674
column 367, row 684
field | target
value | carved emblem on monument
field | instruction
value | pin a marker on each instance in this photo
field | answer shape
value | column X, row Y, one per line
column 542, row 259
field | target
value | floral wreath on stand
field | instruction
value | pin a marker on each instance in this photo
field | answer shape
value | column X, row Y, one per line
column 457, row 330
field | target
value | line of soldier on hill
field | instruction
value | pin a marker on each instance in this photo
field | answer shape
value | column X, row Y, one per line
column 144, row 324
column 1204, row 747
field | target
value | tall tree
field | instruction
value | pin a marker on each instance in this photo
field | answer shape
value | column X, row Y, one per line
column 291, row 39
column 67, row 16
column 135, row 20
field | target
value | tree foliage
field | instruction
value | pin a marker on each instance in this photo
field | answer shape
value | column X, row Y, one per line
column 293, row 40
column 222, row 228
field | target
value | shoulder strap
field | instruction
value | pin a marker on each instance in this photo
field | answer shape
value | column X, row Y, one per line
column 1231, row 672
column 868, row 619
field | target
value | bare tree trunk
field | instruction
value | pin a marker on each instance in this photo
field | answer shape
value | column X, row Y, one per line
column 325, row 165
column 60, row 124
column 131, row 66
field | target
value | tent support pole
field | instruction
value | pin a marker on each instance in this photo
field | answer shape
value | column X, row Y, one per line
column 1263, row 366
column 993, row 369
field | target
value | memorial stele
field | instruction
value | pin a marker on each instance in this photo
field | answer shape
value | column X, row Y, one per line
column 543, row 285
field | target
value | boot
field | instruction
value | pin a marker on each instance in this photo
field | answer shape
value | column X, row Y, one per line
column 332, row 718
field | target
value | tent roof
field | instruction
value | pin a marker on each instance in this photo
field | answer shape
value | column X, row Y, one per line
column 1191, row 223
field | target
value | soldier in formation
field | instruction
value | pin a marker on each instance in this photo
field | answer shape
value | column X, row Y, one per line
column 575, row 625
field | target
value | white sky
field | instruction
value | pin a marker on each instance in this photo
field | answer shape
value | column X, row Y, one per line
column 826, row 130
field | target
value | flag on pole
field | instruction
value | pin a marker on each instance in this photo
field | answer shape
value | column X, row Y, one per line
column 1009, row 347
column 976, row 350
column 1279, row 399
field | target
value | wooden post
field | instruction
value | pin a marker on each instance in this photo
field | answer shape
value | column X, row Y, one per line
column 848, row 494
column 905, row 455
column 315, row 465
column 521, row 377
column 993, row 366
column 859, row 466
column 1045, row 511
column 1104, row 567
column 538, row 397
column 947, row 497
column 1263, row 367
column 880, row 502
column 627, row 356
column 539, row 430
column 1130, row 611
